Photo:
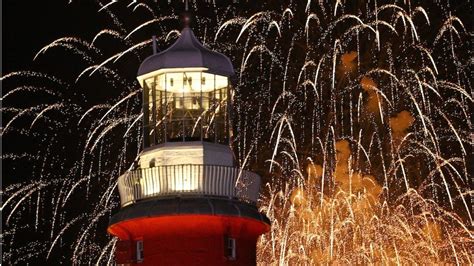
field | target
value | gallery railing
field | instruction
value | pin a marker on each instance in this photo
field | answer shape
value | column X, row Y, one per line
column 188, row 179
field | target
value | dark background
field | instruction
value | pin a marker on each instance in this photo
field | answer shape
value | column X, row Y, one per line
column 30, row 25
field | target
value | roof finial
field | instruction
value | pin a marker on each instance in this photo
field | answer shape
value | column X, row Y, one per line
column 186, row 16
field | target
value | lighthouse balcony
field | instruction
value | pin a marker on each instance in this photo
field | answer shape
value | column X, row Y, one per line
column 188, row 180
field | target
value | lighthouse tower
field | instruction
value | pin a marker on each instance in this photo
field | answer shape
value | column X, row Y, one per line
column 187, row 202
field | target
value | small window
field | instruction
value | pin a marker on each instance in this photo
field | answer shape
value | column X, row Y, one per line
column 171, row 82
column 152, row 163
column 140, row 256
column 190, row 81
column 203, row 81
column 230, row 248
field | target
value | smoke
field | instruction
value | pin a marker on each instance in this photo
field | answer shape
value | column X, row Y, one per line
column 347, row 62
column 400, row 123
column 432, row 230
column 364, row 186
column 370, row 87
column 352, row 223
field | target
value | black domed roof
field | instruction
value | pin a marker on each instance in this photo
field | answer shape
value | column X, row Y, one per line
column 187, row 51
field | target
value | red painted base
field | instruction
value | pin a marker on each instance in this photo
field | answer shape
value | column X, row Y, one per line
column 188, row 240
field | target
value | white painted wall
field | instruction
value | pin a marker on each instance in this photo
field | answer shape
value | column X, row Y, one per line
column 193, row 152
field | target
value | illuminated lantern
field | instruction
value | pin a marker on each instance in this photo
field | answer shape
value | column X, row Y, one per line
column 186, row 202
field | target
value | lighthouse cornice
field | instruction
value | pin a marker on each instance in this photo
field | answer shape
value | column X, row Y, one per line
column 189, row 205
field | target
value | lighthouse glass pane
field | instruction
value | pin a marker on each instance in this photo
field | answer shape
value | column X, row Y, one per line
column 208, row 82
column 187, row 106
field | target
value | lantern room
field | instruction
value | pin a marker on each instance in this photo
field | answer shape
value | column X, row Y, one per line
column 186, row 94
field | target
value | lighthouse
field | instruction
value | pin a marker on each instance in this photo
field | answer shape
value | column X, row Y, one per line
column 186, row 201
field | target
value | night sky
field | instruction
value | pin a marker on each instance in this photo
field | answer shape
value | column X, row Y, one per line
column 30, row 25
